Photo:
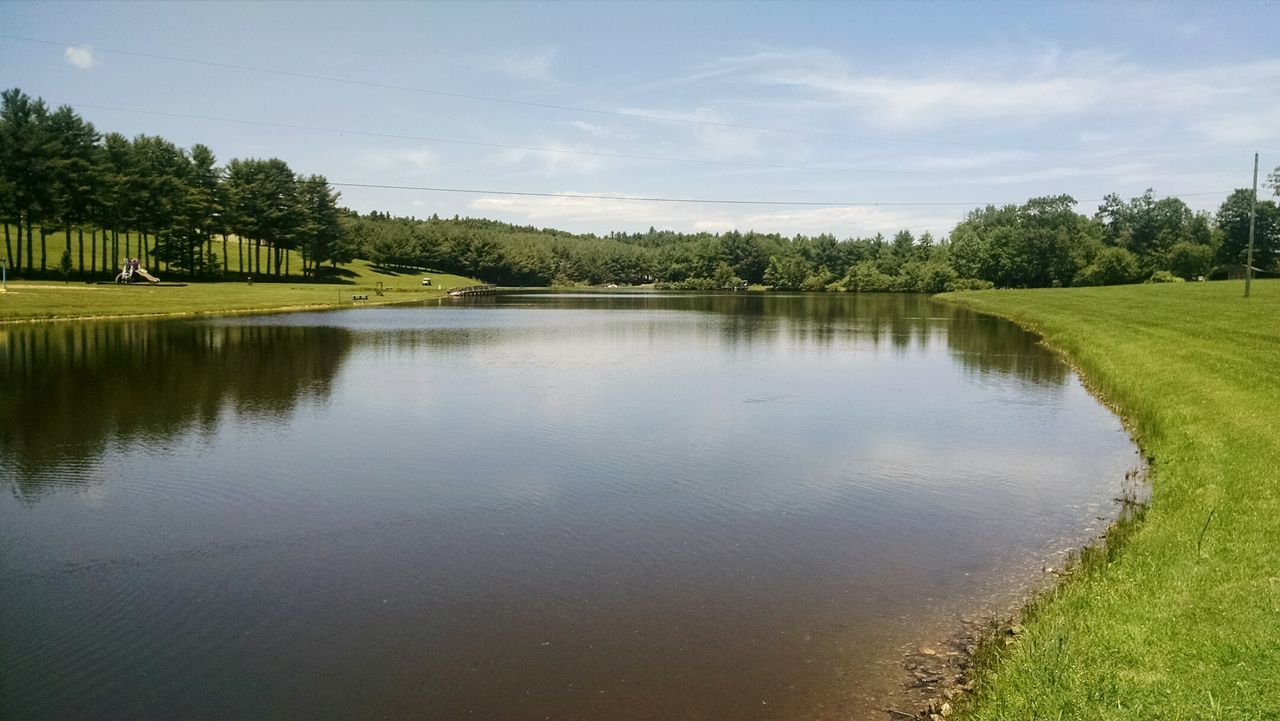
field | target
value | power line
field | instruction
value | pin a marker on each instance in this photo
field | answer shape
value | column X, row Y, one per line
column 526, row 103
column 592, row 153
column 715, row 201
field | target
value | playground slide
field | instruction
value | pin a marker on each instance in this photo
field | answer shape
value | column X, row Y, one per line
column 143, row 272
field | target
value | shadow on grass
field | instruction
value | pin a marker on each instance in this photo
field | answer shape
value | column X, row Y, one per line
column 334, row 276
column 399, row 270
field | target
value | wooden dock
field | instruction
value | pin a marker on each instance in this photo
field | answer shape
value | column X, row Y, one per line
column 473, row 290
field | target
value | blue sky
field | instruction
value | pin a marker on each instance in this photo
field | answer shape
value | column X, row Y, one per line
column 839, row 104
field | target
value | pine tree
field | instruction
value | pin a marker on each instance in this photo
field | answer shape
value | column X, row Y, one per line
column 24, row 165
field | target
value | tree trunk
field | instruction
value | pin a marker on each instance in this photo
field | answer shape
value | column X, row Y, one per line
column 80, row 239
column 226, row 262
column 239, row 252
column 31, row 247
column 93, row 251
column 16, row 259
column 31, row 242
column 8, row 246
column 286, row 264
column 44, row 250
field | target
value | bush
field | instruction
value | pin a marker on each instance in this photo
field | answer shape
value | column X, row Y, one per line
column 818, row 281
column 971, row 284
column 688, row 284
column 1111, row 266
column 1164, row 276
column 935, row 277
column 1190, row 260
column 867, row 278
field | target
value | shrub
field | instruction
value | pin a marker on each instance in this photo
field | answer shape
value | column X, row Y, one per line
column 867, row 278
column 1164, row 276
column 1111, row 266
column 971, row 284
column 1190, row 260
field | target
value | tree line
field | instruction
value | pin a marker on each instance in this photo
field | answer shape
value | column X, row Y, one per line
column 147, row 197
column 1041, row 243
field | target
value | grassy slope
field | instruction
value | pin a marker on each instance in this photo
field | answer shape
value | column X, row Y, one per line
column 57, row 241
column 53, row 299
column 1158, row 630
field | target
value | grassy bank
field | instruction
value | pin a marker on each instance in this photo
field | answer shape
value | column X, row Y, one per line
column 36, row 300
column 1183, row 621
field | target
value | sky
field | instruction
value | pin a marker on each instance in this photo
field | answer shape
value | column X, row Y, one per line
column 846, row 118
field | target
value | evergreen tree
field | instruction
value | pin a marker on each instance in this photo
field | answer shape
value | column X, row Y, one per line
column 27, row 188
column 319, row 229
column 74, row 172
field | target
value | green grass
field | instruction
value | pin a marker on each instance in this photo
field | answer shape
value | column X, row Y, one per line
column 1155, row 627
column 53, row 299
column 57, row 241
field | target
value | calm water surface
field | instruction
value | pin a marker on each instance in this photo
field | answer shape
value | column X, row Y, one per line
column 634, row 506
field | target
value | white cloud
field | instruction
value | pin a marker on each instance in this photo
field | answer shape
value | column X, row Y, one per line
column 714, row 138
column 81, row 56
column 569, row 207
column 853, row 220
column 411, row 161
column 618, row 212
column 555, row 158
column 967, row 161
column 589, row 128
column 1188, row 29
column 988, row 87
column 534, row 64
column 1241, row 128
column 598, row 131
column 1123, row 173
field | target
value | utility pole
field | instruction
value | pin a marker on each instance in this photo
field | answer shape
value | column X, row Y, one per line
column 1253, row 212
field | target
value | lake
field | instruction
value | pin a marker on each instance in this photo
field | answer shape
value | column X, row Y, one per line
column 542, row 505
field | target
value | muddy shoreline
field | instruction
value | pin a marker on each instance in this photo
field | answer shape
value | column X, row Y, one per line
column 939, row 675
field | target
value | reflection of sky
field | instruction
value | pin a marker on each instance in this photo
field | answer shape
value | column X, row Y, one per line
column 589, row 390
column 461, row 406
column 692, row 473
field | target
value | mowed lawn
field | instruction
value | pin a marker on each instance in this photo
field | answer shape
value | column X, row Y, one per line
column 46, row 299
column 1183, row 620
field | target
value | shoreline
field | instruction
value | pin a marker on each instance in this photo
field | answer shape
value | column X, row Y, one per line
column 942, row 674
column 215, row 313
column 983, row 643
column 1186, row 370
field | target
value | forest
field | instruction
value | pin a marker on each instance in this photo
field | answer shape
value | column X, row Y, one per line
column 178, row 209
